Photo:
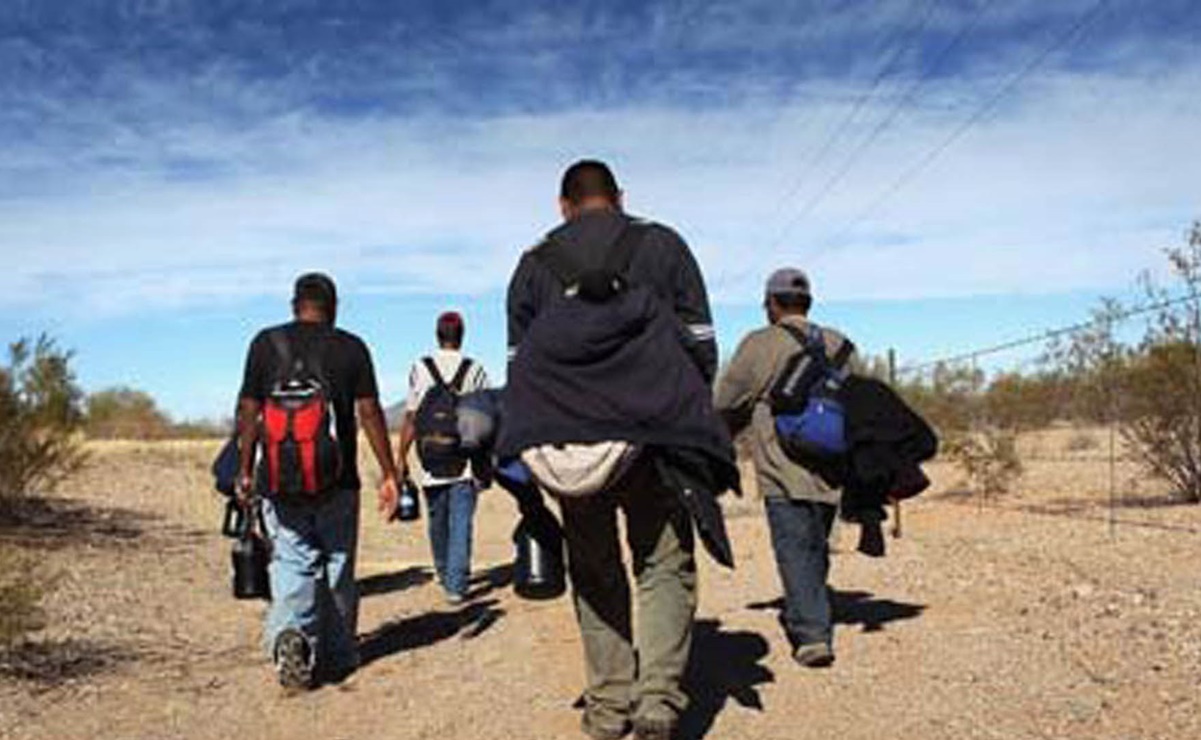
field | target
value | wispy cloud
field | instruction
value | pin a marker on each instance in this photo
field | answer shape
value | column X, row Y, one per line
column 195, row 152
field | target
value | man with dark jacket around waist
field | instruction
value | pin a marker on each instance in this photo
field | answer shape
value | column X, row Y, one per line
column 625, row 690
column 800, row 505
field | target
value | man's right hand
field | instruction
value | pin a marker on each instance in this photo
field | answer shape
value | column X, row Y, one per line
column 389, row 497
column 244, row 490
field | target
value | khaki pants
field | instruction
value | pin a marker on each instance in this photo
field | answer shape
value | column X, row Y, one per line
column 622, row 682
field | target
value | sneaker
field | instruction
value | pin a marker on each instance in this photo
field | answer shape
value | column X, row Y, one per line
column 455, row 599
column 814, row 655
column 293, row 660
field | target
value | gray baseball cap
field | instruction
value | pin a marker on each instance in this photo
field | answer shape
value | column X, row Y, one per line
column 788, row 281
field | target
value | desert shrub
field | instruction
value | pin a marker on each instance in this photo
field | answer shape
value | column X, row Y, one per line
column 1020, row 402
column 125, row 413
column 1161, row 414
column 1151, row 391
column 988, row 458
column 950, row 399
column 21, row 591
column 40, row 416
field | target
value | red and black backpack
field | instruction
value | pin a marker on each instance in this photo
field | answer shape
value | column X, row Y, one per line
column 301, row 454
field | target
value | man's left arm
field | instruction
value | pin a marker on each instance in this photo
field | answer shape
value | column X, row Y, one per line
column 692, row 308
column 375, row 426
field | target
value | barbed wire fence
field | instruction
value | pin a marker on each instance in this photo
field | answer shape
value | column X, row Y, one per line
column 1105, row 323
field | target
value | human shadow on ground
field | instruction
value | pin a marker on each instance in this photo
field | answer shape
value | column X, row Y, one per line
column 724, row 665
column 47, row 664
column 857, row 607
column 390, row 583
column 493, row 579
column 412, row 633
column 59, row 523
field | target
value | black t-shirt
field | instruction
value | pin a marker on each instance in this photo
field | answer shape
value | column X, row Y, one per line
column 346, row 367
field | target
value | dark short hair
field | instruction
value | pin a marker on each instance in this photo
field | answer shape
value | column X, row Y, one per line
column 793, row 302
column 588, row 178
column 449, row 329
column 316, row 288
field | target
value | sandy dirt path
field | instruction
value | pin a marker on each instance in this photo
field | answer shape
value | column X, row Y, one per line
column 1031, row 620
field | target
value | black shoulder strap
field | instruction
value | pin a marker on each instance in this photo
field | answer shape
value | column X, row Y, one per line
column 845, row 350
column 433, row 369
column 818, row 342
column 456, row 383
column 801, row 337
column 283, row 353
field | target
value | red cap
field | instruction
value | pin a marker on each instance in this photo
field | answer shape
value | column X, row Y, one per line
column 450, row 320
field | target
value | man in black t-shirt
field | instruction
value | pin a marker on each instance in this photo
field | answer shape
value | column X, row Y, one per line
column 314, row 538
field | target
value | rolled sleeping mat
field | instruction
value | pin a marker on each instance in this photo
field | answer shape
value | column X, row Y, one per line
column 478, row 418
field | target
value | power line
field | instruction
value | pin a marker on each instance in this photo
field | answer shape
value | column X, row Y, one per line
column 1045, row 336
column 905, row 99
column 1071, row 35
column 898, row 45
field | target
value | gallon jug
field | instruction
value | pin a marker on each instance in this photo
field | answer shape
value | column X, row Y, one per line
column 408, row 505
column 538, row 573
column 250, row 556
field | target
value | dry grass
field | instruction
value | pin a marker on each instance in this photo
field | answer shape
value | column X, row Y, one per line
column 1027, row 616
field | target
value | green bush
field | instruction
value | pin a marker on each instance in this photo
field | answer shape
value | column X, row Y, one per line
column 40, row 415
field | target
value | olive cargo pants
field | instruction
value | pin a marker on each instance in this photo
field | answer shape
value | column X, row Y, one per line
column 622, row 682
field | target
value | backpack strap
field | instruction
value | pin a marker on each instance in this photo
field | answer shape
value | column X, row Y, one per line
column 814, row 341
column 432, row 367
column 456, row 383
column 283, row 353
column 845, row 350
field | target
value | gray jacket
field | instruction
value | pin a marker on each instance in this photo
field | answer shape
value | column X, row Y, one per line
column 742, row 400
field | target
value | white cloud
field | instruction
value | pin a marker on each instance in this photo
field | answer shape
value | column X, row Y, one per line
column 1074, row 184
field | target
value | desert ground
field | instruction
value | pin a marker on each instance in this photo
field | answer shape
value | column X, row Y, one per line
column 1044, row 613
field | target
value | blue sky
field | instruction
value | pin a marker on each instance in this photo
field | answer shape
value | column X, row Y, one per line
column 952, row 173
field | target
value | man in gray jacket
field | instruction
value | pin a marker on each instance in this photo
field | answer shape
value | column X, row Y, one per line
column 800, row 506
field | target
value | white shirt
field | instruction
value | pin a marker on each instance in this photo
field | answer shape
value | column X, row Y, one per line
column 421, row 381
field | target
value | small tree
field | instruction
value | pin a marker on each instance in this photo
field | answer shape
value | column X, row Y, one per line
column 1151, row 392
column 988, row 458
column 1161, row 419
column 125, row 413
column 40, row 414
column 39, row 417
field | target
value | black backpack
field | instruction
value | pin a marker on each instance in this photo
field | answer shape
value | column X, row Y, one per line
column 437, row 423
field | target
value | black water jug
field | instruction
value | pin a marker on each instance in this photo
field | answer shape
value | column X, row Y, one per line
column 408, row 505
column 250, row 557
column 538, row 572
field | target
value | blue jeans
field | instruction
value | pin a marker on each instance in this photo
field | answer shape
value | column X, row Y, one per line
column 451, row 511
column 800, row 532
column 312, row 575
